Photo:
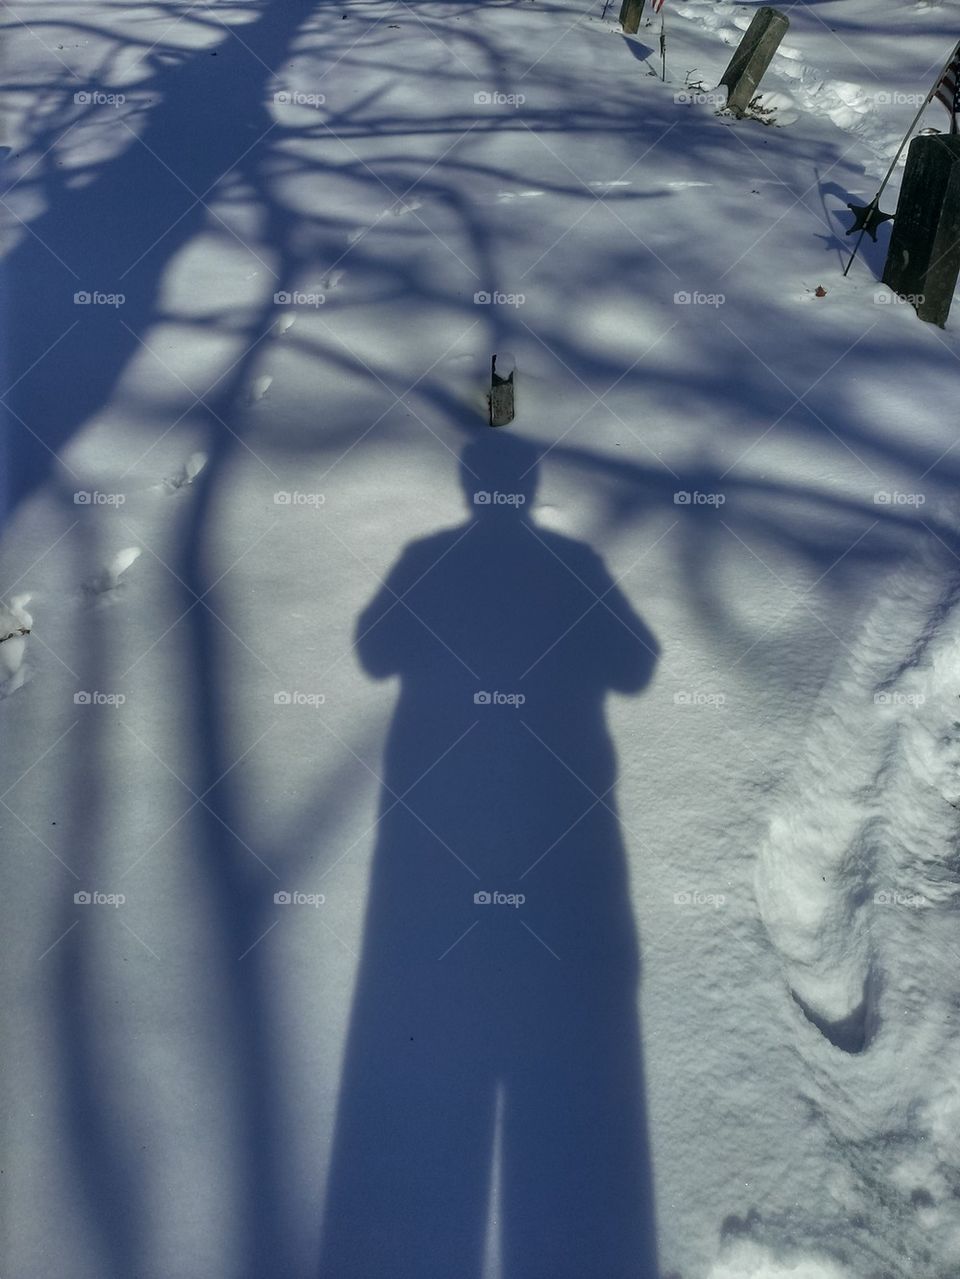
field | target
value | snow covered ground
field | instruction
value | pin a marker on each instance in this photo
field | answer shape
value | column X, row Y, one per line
column 258, row 258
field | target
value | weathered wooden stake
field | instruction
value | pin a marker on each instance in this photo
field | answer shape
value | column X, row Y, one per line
column 501, row 396
column 631, row 11
column 754, row 54
column 923, row 260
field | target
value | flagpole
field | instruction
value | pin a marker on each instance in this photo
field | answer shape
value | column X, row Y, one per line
column 663, row 47
column 875, row 202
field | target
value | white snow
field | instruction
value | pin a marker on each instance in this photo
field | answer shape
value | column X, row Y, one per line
column 323, row 222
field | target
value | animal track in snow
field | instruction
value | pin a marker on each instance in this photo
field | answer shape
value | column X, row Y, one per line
column 398, row 210
column 329, row 284
column 401, row 208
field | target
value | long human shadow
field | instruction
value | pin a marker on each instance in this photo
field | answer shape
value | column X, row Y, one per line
column 494, row 1062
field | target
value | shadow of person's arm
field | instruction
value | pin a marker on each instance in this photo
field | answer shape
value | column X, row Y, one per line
column 387, row 633
column 629, row 648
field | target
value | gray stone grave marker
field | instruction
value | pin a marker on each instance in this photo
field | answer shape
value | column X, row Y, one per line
column 923, row 260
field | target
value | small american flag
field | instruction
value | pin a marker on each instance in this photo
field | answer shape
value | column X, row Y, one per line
column 948, row 89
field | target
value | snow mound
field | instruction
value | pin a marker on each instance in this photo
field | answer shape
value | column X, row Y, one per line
column 805, row 88
column 872, row 808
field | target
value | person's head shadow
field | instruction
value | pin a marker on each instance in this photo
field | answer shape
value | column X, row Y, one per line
column 499, row 473
column 494, row 1030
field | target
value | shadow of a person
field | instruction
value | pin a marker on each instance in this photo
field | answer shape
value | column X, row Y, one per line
column 493, row 1055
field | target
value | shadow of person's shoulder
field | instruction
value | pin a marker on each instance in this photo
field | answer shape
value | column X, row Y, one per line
column 465, row 543
column 435, row 544
column 571, row 551
column 422, row 555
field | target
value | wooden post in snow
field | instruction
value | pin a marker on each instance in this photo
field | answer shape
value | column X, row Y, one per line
column 631, row 11
column 754, row 54
column 501, row 396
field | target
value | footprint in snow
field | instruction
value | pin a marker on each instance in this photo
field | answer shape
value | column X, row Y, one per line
column 398, row 210
column 105, row 587
column 504, row 197
column 401, row 208
column 329, row 284
column 259, row 387
column 15, row 625
column 186, row 475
